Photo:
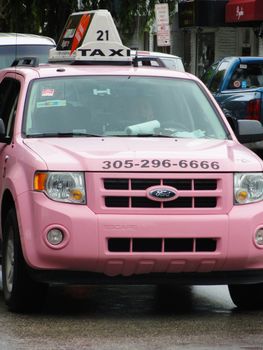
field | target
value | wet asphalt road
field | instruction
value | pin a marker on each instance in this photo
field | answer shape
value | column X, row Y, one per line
column 133, row 317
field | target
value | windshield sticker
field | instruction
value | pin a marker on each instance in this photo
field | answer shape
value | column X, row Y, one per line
column 237, row 84
column 244, row 84
column 97, row 92
column 47, row 92
column 243, row 66
column 51, row 103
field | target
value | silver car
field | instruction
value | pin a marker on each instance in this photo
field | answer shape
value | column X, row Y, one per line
column 15, row 45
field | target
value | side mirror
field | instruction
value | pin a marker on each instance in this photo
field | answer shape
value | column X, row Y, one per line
column 232, row 122
column 248, row 131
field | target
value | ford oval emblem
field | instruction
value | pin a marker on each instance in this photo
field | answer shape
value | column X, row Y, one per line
column 162, row 194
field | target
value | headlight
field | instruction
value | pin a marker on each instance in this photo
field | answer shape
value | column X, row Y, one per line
column 61, row 186
column 248, row 187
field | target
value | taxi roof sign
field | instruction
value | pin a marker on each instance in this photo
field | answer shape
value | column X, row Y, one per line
column 90, row 37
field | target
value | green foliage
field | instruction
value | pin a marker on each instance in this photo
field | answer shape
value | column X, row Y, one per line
column 49, row 16
column 127, row 13
column 35, row 16
column 54, row 15
column 18, row 16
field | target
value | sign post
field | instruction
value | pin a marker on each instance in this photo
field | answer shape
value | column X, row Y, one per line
column 163, row 27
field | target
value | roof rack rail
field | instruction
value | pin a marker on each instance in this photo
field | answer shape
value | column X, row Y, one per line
column 26, row 61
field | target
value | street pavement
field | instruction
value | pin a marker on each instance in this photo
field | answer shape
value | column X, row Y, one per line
column 131, row 318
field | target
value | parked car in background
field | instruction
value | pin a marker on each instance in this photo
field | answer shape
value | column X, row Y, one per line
column 13, row 45
column 237, row 85
column 157, row 59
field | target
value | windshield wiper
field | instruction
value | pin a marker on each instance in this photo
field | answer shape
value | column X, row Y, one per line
column 141, row 135
column 83, row 134
column 152, row 135
column 63, row 134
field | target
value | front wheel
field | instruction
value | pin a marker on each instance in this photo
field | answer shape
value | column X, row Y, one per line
column 247, row 296
column 21, row 293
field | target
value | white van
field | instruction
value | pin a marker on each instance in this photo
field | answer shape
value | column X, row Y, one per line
column 14, row 45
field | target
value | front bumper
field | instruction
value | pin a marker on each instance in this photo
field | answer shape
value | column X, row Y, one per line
column 209, row 278
column 85, row 254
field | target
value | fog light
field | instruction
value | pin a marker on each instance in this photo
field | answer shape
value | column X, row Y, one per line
column 55, row 236
column 259, row 237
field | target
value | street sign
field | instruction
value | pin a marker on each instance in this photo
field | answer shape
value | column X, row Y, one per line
column 161, row 14
column 163, row 35
column 162, row 21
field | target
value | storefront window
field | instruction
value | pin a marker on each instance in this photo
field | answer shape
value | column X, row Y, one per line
column 205, row 51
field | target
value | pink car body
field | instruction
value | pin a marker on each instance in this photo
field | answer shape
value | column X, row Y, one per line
column 113, row 172
column 131, row 240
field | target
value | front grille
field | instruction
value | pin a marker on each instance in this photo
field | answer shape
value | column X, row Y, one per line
column 161, row 245
column 143, row 184
column 193, row 200
column 129, row 193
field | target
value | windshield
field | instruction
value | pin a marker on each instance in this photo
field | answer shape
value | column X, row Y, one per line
column 9, row 53
column 120, row 106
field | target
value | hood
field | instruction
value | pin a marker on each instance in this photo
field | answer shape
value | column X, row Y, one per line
column 143, row 154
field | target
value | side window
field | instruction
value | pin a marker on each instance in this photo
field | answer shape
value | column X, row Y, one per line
column 218, row 77
column 208, row 75
column 9, row 92
column 247, row 76
column 174, row 64
column 150, row 61
column 238, row 79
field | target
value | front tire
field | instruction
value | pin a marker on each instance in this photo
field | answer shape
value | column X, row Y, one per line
column 21, row 293
column 247, row 296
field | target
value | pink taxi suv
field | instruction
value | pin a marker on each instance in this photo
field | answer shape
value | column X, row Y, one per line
column 93, row 191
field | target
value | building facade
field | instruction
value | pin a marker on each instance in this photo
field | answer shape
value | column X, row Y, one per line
column 204, row 31
column 214, row 29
